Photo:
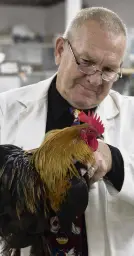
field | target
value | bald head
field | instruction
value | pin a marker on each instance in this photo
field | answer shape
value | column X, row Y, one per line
column 107, row 19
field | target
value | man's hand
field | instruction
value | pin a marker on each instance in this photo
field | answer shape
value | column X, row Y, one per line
column 103, row 159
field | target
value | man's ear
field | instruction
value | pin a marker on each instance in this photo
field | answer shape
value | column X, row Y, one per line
column 59, row 48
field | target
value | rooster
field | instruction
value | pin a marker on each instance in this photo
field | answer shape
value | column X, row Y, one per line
column 51, row 178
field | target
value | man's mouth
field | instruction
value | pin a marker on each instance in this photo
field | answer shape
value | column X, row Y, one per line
column 88, row 88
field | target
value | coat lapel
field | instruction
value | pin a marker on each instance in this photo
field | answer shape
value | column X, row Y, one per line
column 107, row 111
column 94, row 217
column 32, row 118
column 32, row 125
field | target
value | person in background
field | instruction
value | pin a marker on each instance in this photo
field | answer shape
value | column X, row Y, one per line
column 89, row 57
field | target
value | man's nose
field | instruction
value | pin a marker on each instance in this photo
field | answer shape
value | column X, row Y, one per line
column 95, row 79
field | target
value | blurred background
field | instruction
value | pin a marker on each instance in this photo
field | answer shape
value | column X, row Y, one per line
column 28, row 29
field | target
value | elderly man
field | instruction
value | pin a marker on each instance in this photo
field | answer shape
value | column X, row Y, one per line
column 89, row 58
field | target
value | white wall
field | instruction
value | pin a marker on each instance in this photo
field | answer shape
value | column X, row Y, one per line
column 125, row 8
column 39, row 19
column 55, row 18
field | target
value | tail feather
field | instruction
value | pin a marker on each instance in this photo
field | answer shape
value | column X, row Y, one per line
column 18, row 175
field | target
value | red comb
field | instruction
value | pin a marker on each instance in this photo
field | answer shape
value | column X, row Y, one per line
column 93, row 121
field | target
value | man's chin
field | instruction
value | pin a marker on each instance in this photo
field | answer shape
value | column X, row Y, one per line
column 83, row 106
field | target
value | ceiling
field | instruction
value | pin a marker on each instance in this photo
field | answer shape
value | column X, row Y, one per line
column 45, row 3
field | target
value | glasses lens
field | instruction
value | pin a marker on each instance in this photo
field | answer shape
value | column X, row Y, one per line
column 110, row 77
column 107, row 76
column 89, row 70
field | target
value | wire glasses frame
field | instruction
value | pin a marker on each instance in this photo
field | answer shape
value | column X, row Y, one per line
column 91, row 69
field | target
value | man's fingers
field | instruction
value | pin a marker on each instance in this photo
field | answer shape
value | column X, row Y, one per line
column 92, row 170
column 97, row 176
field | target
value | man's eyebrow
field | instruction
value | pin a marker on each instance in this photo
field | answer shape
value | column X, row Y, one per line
column 112, row 67
column 87, row 56
column 115, row 67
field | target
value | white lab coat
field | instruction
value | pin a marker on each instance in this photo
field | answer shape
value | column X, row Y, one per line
column 109, row 215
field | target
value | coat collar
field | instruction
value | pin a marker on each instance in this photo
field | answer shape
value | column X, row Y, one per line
column 33, row 116
column 108, row 108
column 35, row 92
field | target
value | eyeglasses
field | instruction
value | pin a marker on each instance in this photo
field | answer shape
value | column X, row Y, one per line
column 86, row 68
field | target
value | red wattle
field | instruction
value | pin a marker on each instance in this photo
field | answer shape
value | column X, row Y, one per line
column 93, row 143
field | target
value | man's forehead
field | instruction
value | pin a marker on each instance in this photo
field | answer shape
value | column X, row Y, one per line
column 91, row 33
column 111, row 47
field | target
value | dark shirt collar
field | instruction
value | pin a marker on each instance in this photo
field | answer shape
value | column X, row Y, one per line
column 56, row 102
